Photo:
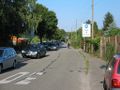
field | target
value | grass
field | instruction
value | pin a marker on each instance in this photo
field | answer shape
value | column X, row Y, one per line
column 86, row 66
column 86, row 63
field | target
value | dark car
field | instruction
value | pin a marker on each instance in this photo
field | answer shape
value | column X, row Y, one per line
column 52, row 46
column 45, row 44
column 34, row 51
column 112, row 74
column 8, row 58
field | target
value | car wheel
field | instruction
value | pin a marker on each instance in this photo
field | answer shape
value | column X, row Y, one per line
column 38, row 56
column 23, row 56
column 14, row 64
column 44, row 54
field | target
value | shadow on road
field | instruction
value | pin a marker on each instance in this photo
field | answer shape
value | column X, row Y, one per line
column 19, row 65
column 103, row 66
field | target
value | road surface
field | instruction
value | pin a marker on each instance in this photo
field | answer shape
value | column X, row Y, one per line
column 65, row 69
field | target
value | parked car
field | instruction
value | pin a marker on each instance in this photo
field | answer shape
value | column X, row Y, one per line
column 34, row 51
column 52, row 46
column 112, row 74
column 8, row 58
column 45, row 44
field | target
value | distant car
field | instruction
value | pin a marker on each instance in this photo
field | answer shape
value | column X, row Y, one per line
column 8, row 58
column 112, row 74
column 34, row 51
column 52, row 46
column 63, row 45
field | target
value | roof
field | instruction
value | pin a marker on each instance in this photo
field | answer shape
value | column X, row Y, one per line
column 2, row 48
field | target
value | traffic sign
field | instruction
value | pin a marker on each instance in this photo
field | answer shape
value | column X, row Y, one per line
column 86, row 30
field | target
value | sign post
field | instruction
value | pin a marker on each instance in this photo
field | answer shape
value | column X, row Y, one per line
column 86, row 32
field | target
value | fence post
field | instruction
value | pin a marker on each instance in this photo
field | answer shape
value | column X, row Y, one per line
column 101, row 47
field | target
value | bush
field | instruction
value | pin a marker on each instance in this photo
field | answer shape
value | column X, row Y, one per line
column 75, row 44
column 110, row 51
column 35, row 39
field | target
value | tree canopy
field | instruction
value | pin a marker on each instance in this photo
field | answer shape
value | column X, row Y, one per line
column 48, row 24
column 108, row 19
column 18, row 17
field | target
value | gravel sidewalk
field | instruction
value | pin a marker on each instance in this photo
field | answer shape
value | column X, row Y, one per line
column 96, row 69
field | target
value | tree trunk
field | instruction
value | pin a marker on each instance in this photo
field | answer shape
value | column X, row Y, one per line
column 41, row 39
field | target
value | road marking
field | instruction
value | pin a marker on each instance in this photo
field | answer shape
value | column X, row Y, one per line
column 40, row 73
column 26, row 81
column 32, row 74
column 13, row 77
column 29, row 78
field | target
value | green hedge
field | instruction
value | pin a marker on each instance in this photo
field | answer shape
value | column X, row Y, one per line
column 110, row 51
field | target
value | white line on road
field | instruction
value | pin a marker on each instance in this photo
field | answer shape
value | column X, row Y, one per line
column 40, row 73
column 26, row 81
column 32, row 74
column 13, row 77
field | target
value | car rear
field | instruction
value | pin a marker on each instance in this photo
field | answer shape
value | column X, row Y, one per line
column 115, row 80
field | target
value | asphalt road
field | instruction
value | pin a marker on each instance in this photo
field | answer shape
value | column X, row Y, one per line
column 65, row 69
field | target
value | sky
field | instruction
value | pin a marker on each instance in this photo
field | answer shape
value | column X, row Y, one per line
column 72, row 13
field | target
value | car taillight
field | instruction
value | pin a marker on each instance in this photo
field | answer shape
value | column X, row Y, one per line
column 115, row 83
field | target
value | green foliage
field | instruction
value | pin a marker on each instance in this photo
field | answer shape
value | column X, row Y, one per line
column 51, row 22
column 75, row 44
column 48, row 23
column 41, row 29
column 76, row 38
column 112, row 31
column 15, row 18
column 24, row 17
column 110, row 51
column 59, row 34
column 96, row 43
column 107, row 21
column 35, row 39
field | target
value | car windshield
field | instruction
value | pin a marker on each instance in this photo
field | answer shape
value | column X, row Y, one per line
column 51, row 44
column 32, row 47
column 1, row 53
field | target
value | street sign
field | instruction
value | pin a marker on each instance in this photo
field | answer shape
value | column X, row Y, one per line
column 86, row 30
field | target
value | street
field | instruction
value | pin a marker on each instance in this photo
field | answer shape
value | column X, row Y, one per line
column 65, row 69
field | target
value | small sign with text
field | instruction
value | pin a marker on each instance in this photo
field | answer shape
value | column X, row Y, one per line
column 86, row 30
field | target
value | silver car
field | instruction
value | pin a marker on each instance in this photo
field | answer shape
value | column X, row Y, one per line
column 34, row 51
column 7, row 58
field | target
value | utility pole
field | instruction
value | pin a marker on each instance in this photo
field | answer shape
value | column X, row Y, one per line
column 92, row 22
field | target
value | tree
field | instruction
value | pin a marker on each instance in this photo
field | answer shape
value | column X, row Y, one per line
column 96, row 30
column 14, row 18
column 10, row 19
column 107, row 21
column 59, row 34
column 88, row 21
column 52, row 22
column 113, row 30
column 48, row 24
column 42, row 25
